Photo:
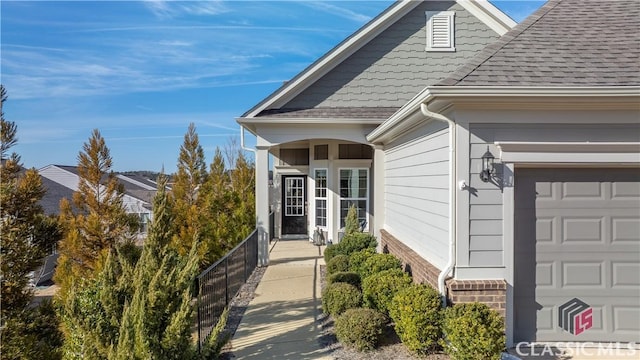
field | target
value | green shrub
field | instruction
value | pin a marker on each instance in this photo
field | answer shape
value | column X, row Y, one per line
column 360, row 328
column 380, row 288
column 345, row 277
column 338, row 263
column 473, row 331
column 416, row 314
column 357, row 241
column 379, row 262
column 340, row 296
column 357, row 259
column 329, row 252
column 351, row 222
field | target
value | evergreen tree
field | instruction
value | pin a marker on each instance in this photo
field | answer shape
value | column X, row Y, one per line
column 243, row 185
column 136, row 308
column 25, row 333
column 186, row 192
column 97, row 220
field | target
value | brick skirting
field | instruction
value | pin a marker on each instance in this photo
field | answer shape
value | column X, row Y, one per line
column 490, row 292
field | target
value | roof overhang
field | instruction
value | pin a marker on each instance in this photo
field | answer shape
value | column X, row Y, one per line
column 441, row 98
column 482, row 9
column 250, row 123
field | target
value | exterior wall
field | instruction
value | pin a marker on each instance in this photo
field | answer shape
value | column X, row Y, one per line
column 421, row 270
column 60, row 176
column 490, row 292
column 417, row 191
column 486, row 206
column 393, row 67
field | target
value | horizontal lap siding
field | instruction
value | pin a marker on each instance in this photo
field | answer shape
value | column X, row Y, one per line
column 416, row 191
column 486, row 210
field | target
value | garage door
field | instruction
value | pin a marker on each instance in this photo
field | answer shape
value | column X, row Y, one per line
column 577, row 255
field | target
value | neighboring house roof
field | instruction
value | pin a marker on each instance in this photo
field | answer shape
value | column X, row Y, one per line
column 481, row 9
column 54, row 193
column 564, row 43
column 57, row 178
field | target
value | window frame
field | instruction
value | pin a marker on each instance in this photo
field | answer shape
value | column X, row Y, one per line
column 324, row 198
column 366, row 198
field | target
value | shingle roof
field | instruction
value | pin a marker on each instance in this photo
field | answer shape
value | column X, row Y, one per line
column 332, row 112
column 55, row 192
column 564, row 43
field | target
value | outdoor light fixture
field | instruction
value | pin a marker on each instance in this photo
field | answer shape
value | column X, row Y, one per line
column 487, row 166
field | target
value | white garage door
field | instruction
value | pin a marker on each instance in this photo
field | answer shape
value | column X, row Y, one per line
column 577, row 255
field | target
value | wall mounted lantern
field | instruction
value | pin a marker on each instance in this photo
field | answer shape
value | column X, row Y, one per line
column 487, row 166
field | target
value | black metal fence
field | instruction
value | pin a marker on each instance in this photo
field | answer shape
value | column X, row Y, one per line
column 218, row 284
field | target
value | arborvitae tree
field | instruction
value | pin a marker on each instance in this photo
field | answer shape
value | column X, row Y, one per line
column 219, row 206
column 243, row 185
column 97, row 221
column 352, row 224
column 186, row 192
column 140, row 311
column 25, row 333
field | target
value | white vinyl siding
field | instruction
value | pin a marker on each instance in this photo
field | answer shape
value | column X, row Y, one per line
column 441, row 31
column 416, row 191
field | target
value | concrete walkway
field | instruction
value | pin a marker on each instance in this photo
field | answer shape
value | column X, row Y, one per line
column 280, row 322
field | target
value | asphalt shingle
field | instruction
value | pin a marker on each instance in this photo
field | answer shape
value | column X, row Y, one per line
column 564, row 43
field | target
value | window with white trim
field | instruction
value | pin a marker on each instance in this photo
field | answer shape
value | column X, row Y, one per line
column 441, row 30
column 354, row 190
column 321, row 197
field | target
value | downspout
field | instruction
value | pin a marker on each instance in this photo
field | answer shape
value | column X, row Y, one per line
column 242, row 141
column 452, row 199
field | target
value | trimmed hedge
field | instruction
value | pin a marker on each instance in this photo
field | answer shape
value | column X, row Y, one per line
column 350, row 244
column 357, row 259
column 357, row 241
column 345, row 277
column 380, row 288
column 340, row 296
column 360, row 328
column 473, row 331
column 337, row 264
column 379, row 262
column 417, row 316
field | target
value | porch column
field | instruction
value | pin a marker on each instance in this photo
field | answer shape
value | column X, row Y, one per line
column 262, row 203
column 378, row 192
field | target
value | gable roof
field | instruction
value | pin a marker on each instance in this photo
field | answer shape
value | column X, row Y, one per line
column 58, row 187
column 564, row 43
column 482, row 9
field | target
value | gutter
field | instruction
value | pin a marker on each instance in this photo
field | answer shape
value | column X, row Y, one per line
column 452, row 199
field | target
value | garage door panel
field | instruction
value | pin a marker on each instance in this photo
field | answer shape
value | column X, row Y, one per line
column 577, row 237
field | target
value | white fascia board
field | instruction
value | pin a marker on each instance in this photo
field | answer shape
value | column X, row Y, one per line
column 408, row 115
column 334, row 57
column 308, row 121
column 495, row 19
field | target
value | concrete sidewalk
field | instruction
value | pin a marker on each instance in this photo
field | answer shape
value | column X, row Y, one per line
column 280, row 322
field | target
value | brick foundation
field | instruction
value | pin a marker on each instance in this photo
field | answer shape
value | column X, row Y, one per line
column 490, row 292
column 420, row 269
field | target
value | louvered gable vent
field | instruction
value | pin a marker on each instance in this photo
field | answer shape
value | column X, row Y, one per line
column 440, row 31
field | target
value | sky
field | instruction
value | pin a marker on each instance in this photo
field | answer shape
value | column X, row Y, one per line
column 141, row 71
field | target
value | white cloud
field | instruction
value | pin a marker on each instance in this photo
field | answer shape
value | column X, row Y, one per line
column 170, row 9
column 338, row 11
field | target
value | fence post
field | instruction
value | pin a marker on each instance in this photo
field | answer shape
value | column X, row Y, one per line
column 198, row 313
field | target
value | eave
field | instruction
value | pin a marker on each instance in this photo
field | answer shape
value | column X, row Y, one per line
column 440, row 98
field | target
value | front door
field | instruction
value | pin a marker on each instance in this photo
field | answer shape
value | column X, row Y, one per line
column 294, row 205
